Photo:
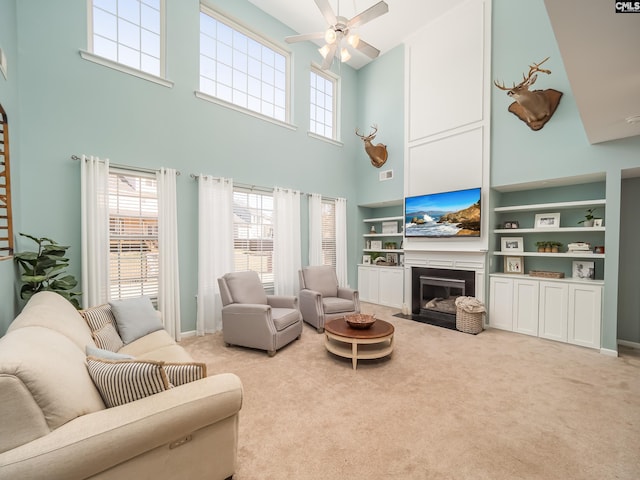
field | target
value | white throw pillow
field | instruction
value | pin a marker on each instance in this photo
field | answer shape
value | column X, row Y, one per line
column 135, row 318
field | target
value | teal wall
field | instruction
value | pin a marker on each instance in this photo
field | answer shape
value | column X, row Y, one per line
column 9, row 101
column 381, row 103
column 628, row 291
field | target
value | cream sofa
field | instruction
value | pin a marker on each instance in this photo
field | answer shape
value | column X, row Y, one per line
column 54, row 423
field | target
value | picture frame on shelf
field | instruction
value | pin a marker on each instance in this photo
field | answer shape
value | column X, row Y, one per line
column 392, row 258
column 366, row 259
column 376, row 244
column 583, row 270
column 547, row 220
column 511, row 224
column 514, row 265
column 512, row 244
column 390, row 227
column 597, row 222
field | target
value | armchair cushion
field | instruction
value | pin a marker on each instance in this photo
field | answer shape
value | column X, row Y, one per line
column 337, row 305
column 245, row 287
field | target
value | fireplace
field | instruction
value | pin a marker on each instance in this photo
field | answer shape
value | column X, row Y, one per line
column 434, row 291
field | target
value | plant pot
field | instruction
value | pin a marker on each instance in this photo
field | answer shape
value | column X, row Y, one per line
column 588, row 223
column 554, row 249
column 541, row 249
column 547, row 249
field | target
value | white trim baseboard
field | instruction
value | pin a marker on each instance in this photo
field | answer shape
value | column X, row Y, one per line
column 608, row 352
column 626, row 343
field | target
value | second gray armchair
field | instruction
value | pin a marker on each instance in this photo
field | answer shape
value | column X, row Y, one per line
column 322, row 299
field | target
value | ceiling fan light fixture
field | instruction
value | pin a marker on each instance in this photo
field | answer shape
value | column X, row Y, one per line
column 345, row 56
column 324, row 51
column 353, row 40
column 330, row 36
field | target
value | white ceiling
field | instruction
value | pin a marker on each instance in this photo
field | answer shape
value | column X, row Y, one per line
column 599, row 49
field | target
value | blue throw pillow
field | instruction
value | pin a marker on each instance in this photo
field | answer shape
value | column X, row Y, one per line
column 135, row 318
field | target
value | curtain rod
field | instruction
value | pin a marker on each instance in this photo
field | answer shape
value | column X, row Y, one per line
column 129, row 167
column 255, row 187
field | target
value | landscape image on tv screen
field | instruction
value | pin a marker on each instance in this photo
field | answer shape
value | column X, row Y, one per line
column 447, row 214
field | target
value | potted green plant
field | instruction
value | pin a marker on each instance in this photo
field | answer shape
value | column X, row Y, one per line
column 588, row 218
column 555, row 246
column 542, row 246
column 43, row 270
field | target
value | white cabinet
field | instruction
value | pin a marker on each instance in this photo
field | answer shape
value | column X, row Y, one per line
column 553, row 310
column 501, row 303
column 562, row 310
column 391, row 287
column 525, row 306
column 382, row 285
column 368, row 281
column 584, row 313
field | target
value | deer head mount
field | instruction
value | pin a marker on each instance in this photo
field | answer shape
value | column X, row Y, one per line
column 536, row 107
column 377, row 153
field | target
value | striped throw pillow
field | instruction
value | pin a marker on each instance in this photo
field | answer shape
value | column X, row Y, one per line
column 181, row 373
column 103, row 327
column 124, row 381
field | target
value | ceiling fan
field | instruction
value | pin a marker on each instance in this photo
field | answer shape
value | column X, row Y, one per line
column 341, row 28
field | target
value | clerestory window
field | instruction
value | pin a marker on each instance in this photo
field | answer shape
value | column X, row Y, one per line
column 241, row 68
column 322, row 108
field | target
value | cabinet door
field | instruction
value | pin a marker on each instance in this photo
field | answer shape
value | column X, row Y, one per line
column 525, row 306
column 501, row 303
column 368, row 284
column 391, row 287
column 553, row 311
column 585, row 315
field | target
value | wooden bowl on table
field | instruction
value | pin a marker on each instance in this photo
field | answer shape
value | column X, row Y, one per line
column 360, row 320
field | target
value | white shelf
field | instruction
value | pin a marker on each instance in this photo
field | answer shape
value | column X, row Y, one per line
column 399, row 234
column 552, row 206
column 381, row 219
column 384, row 250
column 555, row 255
column 546, row 279
column 515, row 231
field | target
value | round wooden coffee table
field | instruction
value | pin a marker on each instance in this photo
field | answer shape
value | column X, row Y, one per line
column 373, row 342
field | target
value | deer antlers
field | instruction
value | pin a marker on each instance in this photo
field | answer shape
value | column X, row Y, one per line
column 371, row 136
column 526, row 80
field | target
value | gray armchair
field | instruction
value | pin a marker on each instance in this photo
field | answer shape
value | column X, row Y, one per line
column 251, row 318
column 321, row 299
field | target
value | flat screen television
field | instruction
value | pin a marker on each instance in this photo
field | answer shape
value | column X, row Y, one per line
column 445, row 214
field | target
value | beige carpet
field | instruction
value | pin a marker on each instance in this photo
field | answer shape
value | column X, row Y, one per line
column 445, row 405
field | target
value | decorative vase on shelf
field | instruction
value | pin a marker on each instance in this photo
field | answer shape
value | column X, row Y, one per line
column 373, row 229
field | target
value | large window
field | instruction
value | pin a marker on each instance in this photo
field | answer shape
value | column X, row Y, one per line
column 129, row 32
column 322, row 111
column 241, row 68
column 133, row 235
column 329, row 232
column 253, row 234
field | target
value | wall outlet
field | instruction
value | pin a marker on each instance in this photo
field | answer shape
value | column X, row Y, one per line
column 386, row 175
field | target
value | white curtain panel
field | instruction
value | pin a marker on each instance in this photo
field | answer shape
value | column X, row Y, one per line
column 215, row 248
column 287, row 252
column 94, row 180
column 341, row 242
column 169, row 281
column 315, row 229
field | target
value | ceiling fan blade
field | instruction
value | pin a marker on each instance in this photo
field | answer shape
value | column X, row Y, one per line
column 368, row 49
column 327, row 11
column 328, row 60
column 304, row 37
column 369, row 14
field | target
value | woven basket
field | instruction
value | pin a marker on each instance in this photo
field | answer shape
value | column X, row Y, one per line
column 468, row 322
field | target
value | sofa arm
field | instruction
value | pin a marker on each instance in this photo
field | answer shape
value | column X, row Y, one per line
column 98, row 441
column 282, row 301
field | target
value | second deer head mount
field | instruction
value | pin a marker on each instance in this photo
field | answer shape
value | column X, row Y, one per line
column 536, row 107
column 377, row 153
